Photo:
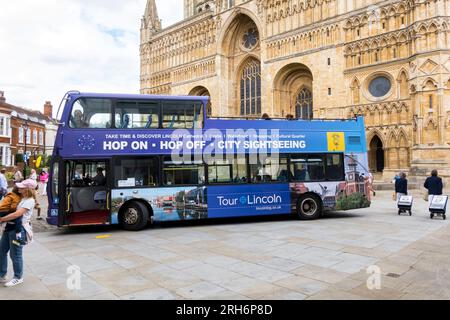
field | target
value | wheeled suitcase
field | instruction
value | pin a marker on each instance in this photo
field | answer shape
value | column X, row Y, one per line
column 404, row 204
column 438, row 206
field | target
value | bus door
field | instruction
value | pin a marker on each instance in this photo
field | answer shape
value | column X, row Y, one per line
column 87, row 192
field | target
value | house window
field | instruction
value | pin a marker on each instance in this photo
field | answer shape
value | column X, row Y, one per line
column 35, row 134
column 8, row 127
column 41, row 138
column 21, row 135
column 304, row 105
column 28, row 135
column 250, row 89
column 4, row 126
column 5, row 155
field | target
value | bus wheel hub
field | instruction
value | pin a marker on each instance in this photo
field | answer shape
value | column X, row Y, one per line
column 131, row 216
column 309, row 207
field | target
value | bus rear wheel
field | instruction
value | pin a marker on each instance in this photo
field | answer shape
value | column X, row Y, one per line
column 309, row 207
column 134, row 216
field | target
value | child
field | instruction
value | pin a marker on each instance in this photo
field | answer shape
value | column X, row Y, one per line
column 9, row 205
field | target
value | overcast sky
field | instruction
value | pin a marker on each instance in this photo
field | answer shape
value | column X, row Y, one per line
column 48, row 47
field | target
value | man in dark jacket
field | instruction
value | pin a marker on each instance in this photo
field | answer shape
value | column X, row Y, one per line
column 401, row 185
column 433, row 184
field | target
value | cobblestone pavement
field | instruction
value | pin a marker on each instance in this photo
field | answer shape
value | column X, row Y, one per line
column 261, row 259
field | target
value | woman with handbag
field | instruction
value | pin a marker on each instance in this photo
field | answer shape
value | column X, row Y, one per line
column 10, row 240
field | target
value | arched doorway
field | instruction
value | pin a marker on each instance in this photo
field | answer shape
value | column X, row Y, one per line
column 293, row 91
column 376, row 156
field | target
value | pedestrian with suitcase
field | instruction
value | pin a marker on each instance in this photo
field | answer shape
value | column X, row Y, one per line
column 434, row 186
column 401, row 190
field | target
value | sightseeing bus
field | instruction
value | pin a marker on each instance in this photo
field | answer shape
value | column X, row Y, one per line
column 134, row 160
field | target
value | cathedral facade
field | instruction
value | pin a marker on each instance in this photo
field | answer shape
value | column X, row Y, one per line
column 314, row 59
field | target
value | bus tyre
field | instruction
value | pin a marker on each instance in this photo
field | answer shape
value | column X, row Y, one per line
column 134, row 217
column 309, row 207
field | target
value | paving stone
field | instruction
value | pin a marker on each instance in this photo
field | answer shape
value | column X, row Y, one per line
column 89, row 262
column 258, row 271
column 88, row 288
column 211, row 273
column 121, row 282
column 284, row 294
column 249, row 287
column 150, row 294
column 220, row 261
column 333, row 293
column 384, row 293
column 321, row 274
column 282, row 264
column 303, row 285
column 134, row 261
column 166, row 277
column 200, row 290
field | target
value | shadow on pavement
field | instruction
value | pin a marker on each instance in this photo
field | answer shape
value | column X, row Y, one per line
column 207, row 222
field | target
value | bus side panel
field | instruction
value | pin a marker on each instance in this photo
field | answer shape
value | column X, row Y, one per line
column 248, row 200
column 353, row 193
column 168, row 204
column 190, row 203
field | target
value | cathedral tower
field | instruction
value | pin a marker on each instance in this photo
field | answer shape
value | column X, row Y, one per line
column 150, row 22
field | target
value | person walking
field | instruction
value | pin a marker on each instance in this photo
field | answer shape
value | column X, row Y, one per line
column 401, row 185
column 12, row 243
column 43, row 179
column 434, row 185
column 18, row 176
column 33, row 175
column 3, row 183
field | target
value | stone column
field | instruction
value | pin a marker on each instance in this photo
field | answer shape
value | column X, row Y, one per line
column 441, row 116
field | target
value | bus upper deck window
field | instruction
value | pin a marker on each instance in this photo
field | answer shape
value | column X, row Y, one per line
column 137, row 115
column 91, row 113
column 182, row 115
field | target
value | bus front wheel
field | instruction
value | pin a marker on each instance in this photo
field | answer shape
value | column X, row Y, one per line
column 309, row 207
column 134, row 216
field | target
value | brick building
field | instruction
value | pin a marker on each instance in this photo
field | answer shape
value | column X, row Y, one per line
column 5, row 132
column 24, row 131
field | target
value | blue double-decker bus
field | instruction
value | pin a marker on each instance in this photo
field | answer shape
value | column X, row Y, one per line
column 138, row 159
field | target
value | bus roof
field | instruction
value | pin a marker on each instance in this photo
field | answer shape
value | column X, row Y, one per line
column 76, row 95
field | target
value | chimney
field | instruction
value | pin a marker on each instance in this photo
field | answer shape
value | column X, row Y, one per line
column 2, row 96
column 48, row 109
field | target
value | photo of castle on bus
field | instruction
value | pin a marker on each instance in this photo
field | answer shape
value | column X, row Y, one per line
column 168, row 204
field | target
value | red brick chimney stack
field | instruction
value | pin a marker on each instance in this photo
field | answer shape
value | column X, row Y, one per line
column 48, row 109
column 2, row 96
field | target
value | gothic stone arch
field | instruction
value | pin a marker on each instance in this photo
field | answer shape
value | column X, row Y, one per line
column 288, row 85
